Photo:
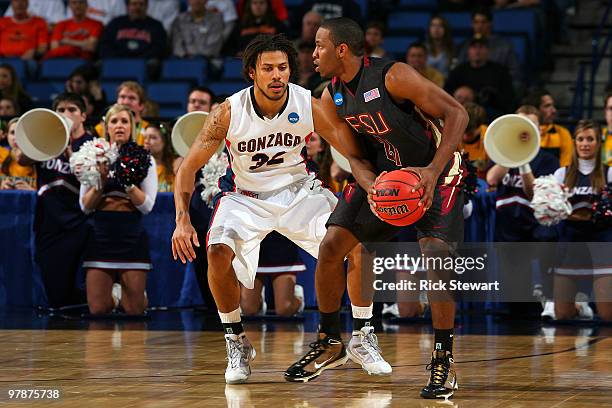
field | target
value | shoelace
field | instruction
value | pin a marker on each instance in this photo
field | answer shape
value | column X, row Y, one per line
column 234, row 351
column 370, row 343
column 439, row 371
column 315, row 351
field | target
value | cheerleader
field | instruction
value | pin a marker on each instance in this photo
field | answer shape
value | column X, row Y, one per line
column 585, row 177
column 118, row 249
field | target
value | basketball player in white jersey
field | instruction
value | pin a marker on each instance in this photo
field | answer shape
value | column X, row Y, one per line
column 267, row 186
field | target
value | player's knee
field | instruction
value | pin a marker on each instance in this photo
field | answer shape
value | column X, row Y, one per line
column 99, row 308
column 285, row 309
column 331, row 249
column 250, row 308
column 563, row 312
column 605, row 311
column 134, row 308
column 409, row 309
column 219, row 254
column 431, row 245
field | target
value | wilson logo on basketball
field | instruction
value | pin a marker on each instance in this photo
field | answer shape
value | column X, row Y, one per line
column 387, row 192
column 395, row 210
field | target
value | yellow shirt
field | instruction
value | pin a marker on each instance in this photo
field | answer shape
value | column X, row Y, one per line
column 15, row 170
column 140, row 129
column 606, row 149
column 557, row 140
column 165, row 184
column 434, row 76
column 477, row 153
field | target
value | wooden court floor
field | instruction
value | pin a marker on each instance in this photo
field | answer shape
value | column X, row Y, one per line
column 134, row 367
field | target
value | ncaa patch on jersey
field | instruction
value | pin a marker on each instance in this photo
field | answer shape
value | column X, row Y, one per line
column 371, row 95
column 294, row 117
column 338, row 99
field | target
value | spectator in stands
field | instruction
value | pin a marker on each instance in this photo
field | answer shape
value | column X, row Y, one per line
column 556, row 139
column 334, row 8
column 514, row 219
column 258, row 18
column 3, row 139
column 104, row 10
column 197, row 32
column 310, row 24
column 227, row 10
column 490, row 80
column 440, row 47
column 157, row 141
column 52, row 11
column 278, row 8
column 416, row 57
column 472, row 142
column 10, row 87
column 464, row 94
column 199, row 99
column 119, row 243
column 165, row 11
column 134, row 35
column 374, row 38
column 9, row 107
column 77, row 37
column 23, row 36
column 585, row 177
column 132, row 95
column 306, row 75
column 501, row 50
column 606, row 131
column 60, row 227
column 83, row 81
column 13, row 175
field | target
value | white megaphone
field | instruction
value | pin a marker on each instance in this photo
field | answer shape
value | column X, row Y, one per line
column 185, row 131
column 42, row 134
column 340, row 160
column 504, row 144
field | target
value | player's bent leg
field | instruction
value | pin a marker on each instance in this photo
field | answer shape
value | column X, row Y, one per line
column 443, row 379
column 133, row 284
column 226, row 291
column 286, row 303
column 99, row 286
column 601, row 287
column 363, row 347
column 250, row 299
column 328, row 351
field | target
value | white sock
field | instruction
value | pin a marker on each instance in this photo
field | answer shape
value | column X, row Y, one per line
column 361, row 312
column 231, row 317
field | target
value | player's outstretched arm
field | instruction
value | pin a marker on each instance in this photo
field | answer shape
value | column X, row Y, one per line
column 338, row 134
column 212, row 134
column 403, row 82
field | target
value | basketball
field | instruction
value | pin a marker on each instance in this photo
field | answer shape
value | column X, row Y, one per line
column 396, row 203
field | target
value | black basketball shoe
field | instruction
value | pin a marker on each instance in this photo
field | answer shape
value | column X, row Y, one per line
column 324, row 353
column 443, row 380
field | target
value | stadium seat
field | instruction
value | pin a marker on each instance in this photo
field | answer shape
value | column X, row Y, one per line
column 45, row 91
column 18, row 64
column 516, row 22
column 232, row 69
column 398, row 45
column 170, row 113
column 520, row 47
column 431, row 5
column 123, row 69
column 59, row 68
column 226, row 87
column 460, row 23
column 408, row 22
column 110, row 90
column 193, row 70
column 169, row 94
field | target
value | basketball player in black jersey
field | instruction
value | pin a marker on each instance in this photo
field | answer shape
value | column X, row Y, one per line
column 392, row 109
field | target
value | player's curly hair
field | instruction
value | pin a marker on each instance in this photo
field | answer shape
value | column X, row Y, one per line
column 264, row 43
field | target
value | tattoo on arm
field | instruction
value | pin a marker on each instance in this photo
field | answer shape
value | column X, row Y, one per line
column 216, row 126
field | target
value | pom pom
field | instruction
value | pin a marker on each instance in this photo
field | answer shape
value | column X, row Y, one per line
column 550, row 201
column 132, row 165
column 602, row 207
column 84, row 162
column 470, row 182
column 214, row 169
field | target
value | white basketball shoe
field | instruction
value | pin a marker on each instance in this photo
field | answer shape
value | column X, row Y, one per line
column 363, row 349
column 240, row 352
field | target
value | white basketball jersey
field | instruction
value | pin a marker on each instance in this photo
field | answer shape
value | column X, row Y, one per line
column 266, row 154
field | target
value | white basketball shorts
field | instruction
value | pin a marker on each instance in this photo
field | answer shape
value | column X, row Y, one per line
column 242, row 219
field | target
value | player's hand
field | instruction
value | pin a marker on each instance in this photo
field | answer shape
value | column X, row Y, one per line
column 429, row 179
column 371, row 193
column 23, row 185
column 182, row 238
column 103, row 168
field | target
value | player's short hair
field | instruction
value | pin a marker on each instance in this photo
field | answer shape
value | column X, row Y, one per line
column 534, row 98
column 265, row 43
column 528, row 110
column 477, row 116
column 204, row 89
column 134, row 87
column 417, row 44
column 72, row 98
column 343, row 30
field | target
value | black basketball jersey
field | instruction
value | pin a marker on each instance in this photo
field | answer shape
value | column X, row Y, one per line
column 58, row 193
column 582, row 195
column 395, row 135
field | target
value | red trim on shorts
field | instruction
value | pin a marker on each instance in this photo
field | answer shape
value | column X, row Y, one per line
column 212, row 219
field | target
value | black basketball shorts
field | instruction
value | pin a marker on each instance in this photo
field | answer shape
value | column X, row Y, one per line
column 443, row 220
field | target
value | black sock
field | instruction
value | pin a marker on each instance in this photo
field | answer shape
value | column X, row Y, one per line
column 359, row 323
column 330, row 324
column 443, row 340
column 233, row 328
